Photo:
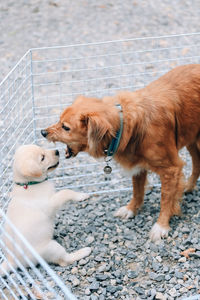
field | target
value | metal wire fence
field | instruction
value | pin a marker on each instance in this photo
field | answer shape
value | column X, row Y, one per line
column 32, row 96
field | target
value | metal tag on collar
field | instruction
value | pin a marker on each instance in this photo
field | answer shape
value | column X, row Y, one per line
column 110, row 152
column 107, row 169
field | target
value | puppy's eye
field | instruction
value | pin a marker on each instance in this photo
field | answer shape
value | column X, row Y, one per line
column 42, row 157
column 65, row 127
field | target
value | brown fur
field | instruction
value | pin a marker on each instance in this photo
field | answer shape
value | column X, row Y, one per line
column 159, row 120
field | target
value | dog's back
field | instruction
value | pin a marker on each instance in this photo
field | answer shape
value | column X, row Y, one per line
column 177, row 95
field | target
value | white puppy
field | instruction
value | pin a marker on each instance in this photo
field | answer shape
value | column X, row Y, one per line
column 33, row 206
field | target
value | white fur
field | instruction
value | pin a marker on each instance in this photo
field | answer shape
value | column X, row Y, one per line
column 124, row 213
column 133, row 172
column 157, row 232
column 32, row 211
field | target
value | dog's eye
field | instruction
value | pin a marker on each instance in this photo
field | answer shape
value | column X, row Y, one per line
column 42, row 157
column 65, row 127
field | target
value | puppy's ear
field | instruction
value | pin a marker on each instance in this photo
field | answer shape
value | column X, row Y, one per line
column 31, row 169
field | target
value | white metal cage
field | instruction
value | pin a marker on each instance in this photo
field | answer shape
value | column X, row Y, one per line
column 39, row 87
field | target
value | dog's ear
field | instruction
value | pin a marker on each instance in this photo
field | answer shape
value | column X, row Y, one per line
column 31, row 169
column 84, row 118
column 98, row 127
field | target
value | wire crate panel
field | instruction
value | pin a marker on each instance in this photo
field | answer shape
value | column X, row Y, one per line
column 60, row 74
column 47, row 80
column 25, row 284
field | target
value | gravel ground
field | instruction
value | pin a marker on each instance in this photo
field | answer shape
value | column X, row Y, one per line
column 123, row 263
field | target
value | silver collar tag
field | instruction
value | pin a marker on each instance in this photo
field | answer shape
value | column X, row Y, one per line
column 107, row 169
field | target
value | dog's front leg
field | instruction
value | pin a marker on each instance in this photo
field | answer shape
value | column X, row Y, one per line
column 136, row 202
column 63, row 196
column 172, row 190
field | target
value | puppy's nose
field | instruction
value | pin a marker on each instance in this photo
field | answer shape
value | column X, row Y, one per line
column 44, row 132
column 57, row 153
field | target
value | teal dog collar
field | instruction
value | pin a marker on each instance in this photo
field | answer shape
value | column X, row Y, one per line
column 112, row 149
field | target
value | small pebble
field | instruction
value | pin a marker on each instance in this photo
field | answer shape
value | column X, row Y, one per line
column 160, row 296
column 172, row 292
column 182, row 259
column 87, row 291
column 159, row 277
column 74, row 270
column 94, row 286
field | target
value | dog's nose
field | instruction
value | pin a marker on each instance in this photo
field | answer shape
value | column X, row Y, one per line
column 57, row 153
column 44, row 132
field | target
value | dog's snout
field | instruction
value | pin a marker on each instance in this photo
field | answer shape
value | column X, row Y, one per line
column 44, row 132
column 57, row 153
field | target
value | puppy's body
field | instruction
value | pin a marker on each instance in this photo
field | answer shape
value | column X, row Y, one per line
column 159, row 120
column 32, row 210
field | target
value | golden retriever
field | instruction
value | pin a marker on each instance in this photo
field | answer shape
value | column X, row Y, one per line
column 158, row 121
column 32, row 208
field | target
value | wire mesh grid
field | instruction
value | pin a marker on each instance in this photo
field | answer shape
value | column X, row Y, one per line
column 32, row 96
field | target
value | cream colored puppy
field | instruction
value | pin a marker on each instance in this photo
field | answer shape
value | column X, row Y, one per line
column 33, row 206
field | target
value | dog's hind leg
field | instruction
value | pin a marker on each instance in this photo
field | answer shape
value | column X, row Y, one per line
column 194, row 151
column 136, row 202
column 55, row 253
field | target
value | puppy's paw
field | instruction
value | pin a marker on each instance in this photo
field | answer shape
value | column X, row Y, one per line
column 124, row 213
column 70, row 258
column 81, row 196
column 81, row 253
column 86, row 251
column 157, row 232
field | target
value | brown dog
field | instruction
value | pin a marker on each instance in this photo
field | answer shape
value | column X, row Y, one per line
column 158, row 120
